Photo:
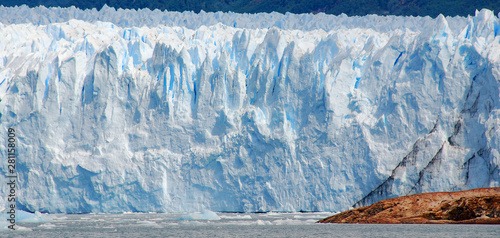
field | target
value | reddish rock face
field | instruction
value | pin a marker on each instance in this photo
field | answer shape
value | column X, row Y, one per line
column 476, row 206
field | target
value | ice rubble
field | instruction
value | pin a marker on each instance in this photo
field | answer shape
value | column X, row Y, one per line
column 161, row 111
column 204, row 215
column 21, row 218
column 26, row 217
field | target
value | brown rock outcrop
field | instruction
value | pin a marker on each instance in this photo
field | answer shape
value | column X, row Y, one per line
column 476, row 206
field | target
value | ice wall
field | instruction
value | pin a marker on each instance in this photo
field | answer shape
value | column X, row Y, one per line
column 289, row 21
column 115, row 116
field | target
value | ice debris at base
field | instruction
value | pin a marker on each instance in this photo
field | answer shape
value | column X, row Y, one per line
column 236, row 217
column 4, row 227
column 47, row 226
column 149, row 224
column 20, row 218
column 26, row 217
column 167, row 112
column 204, row 215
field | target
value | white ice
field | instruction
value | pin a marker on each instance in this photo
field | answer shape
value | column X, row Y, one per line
column 149, row 111
column 204, row 215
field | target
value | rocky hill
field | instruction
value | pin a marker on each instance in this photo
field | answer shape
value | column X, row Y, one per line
column 476, row 206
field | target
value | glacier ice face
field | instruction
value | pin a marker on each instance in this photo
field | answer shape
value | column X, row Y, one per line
column 289, row 21
column 115, row 116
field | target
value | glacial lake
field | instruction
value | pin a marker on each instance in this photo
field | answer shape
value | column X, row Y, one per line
column 230, row 225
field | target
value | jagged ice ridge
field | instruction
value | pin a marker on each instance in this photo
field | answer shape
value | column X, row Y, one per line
column 159, row 111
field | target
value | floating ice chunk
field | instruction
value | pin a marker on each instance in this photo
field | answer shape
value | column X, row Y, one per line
column 26, row 217
column 248, row 223
column 22, row 228
column 149, row 224
column 293, row 222
column 205, row 215
column 47, row 226
column 4, row 227
column 236, row 217
column 263, row 223
column 314, row 216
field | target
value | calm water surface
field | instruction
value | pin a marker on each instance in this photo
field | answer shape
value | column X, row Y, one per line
column 233, row 225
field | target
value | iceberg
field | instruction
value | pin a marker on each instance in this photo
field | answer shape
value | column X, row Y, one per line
column 149, row 111
column 26, row 217
column 21, row 218
column 204, row 215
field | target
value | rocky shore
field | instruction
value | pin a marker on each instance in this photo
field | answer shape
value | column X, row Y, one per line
column 476, row 206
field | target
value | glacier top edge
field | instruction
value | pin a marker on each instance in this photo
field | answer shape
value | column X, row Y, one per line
column 145, row 17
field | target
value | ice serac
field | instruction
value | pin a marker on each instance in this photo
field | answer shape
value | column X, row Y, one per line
column 116, row 116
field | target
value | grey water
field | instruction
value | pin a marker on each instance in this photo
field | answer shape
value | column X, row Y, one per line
column 231, row 225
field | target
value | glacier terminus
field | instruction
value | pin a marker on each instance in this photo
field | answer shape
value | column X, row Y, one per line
column 150, row 111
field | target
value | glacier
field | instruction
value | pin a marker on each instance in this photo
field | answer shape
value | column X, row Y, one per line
column 150, row 111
